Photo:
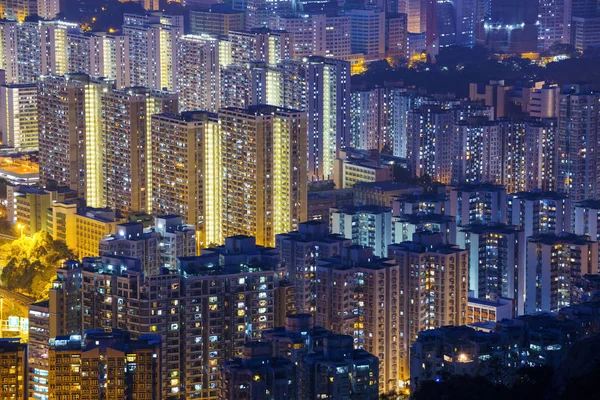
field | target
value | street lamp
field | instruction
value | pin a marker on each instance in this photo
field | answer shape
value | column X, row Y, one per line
column 20, row 227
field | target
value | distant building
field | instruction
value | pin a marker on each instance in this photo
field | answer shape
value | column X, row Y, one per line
column 27, row 206
column 19, row 116
column 554, row 264
column 369, row 226
column 448, row 265
column 339, row 371
column 81, row 229
column 216, row 19
column 481, row 310
column 134, row 363
column 256, row 375
column 299, row 251
column 496, row 261
column 352, row 166
column 13, row 357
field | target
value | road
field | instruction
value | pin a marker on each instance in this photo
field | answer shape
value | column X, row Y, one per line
column 17, row 297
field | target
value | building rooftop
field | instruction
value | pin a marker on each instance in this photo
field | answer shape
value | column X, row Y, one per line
column 563, row 237
column 386, row 186
column 490, row 228
column 540, row 195
column 423, row 217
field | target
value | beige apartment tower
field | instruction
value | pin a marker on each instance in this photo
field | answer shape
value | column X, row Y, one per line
column 263, row 151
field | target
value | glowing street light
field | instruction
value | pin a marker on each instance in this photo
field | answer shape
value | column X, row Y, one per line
column 20, row 227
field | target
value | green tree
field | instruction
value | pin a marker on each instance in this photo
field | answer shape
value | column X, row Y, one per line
column 31, row 263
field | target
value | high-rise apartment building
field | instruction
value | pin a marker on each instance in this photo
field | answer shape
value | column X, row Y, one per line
column 538, row 212
column 496, row 261
column 478, row 203
column 127, row 146
column 129, row 367
column 260, row 44
column 19, row 116
column 370, row 119
column 338, row 43
column 260, row 12
column 100, row 54
column 263, row 186
column 406, row 225
column 153, row 49
column 300, row 250
column 198, row 73
column 20, row 50
column 369, row 226
column 54, row 46
column 13, row 357
column 586, row 218
column 577, row 143
column 554, row 22
column 70, row 133
column 307, row 31
column 354, row 294
column 37, row 349
column 257, row 374
column 80, row 228
column 217, row 19
column 432, row 287
column 540, row 154
column 368, row 33
column 157, row 247
column 318, row 86
column 337, row 368
column 191, row 142
column 554, row 264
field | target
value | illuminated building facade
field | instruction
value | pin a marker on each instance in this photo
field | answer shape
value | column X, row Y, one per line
column 308, row 33
column 13, row 357
column 432, row 283
column 70, row 132
column 577, row 143
column 270, row 46
column 369, row 119
column 226, row 306
column 127, row 135
column 300, row 250
column 538, row 212
column 198, row 73
column 496, row 261
column 554, row 264
column 263, row 186
column 478, row 203
column 345, row 286
column 429, row 141
column 257, row 374
column 339, row 369
column 130, row 367
column 554, row 22
column 190, row 141
column 260, row 12
column 153, row 49
column 54, row 45
column 218, row 19
column 37, row 349
column 369, row 226
column 81, row 229
column 368, row 33
column 337, row 37
column 19, row 116
column 20, row 41
column 27, row 206
column 100, row 54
